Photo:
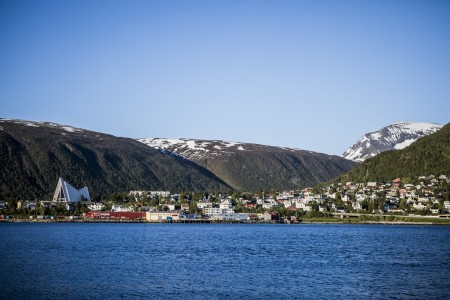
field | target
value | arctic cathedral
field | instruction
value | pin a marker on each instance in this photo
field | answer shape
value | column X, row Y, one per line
column 66, row 193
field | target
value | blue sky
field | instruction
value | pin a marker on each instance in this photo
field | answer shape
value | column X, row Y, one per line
column 315, row 75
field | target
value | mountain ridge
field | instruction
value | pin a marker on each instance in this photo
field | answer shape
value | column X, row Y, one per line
column 429, row 155
column 249, row 166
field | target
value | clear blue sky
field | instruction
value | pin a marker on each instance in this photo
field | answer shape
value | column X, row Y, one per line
column 314, row 75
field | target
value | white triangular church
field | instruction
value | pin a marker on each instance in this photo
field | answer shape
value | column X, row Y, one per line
column 66, row 193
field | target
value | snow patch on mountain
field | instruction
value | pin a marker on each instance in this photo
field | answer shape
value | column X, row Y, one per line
column 396, row 136
column 193, row 149
column 404, row 144
column 43, row 125
column 70, row 129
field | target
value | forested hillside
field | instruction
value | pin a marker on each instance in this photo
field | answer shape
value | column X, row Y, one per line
column 34, row 154
column 255, row 167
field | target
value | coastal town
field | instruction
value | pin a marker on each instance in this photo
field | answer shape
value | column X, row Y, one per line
column 422, row 197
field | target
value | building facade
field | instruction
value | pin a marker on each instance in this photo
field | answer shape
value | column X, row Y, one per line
column 66, row 193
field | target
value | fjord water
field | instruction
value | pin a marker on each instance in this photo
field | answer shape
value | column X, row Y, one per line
column 223, row 261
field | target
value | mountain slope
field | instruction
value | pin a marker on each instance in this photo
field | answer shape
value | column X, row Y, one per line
column 34, row 154
column 430, row 155
column 395, row 136
column 253, row 167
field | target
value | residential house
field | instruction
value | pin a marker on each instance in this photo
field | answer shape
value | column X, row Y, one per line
column 170, row 207
column 447, row 206
column 226, row 204
column 371, row 185
column 120, row 208
column 184, row 207
column 304, row 207
column 357, row 206
column 96, row 206
column 268, row 204
column 203, row 204
column 419, row 206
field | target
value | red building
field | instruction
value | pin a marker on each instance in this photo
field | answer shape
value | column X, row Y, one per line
column 112, row 215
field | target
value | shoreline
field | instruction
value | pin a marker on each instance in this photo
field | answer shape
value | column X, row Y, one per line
column 302, row 222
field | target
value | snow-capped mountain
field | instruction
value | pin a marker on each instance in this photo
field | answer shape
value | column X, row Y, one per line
column 396, row 136
column 249, row 166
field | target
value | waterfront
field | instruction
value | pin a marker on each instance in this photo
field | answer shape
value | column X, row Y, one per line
column 224, row 261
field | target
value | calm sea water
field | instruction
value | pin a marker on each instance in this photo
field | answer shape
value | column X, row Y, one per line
column 213, row 261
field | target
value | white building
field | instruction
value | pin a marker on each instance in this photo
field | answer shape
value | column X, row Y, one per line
column 357, row 205
column 96, row 206
column 213, row 211
column 268, row 204
column 171, row 207
column 120, row 208
column 419, row 206
column 231, row 217
column 304, row 207
column 225, row 204
column 447, row 206
column 202, row 204
column 66, row 193
column 161, row 216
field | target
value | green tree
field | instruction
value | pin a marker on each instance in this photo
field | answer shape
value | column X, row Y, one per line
column 402, row 204
column 193, row 207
